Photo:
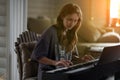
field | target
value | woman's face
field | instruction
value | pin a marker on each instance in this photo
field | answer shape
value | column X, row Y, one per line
column 69, row 21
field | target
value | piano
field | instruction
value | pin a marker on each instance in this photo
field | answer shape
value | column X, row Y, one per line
column 83, row 71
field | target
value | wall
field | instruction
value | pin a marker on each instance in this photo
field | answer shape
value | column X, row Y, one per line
column 3, row 41
column 90, row 8
column 41, row 8
column 99, row 12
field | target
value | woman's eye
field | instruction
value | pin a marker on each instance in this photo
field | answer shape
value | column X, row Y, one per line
column 69, row 19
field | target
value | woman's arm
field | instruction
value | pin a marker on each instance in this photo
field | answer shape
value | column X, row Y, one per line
column 79, row 59
column 64, row 63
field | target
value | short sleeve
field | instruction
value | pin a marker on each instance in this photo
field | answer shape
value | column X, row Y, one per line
column 42, row 47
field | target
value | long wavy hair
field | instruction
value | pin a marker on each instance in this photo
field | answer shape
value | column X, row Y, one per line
column 71, row 38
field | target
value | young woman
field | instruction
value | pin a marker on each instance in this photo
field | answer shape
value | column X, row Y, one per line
column 57, row 44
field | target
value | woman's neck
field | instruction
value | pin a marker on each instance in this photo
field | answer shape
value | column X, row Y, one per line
column 65, row 31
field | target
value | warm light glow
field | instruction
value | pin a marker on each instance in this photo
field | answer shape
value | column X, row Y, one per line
column 117, row 24
column 115, row 13
column 114, row 8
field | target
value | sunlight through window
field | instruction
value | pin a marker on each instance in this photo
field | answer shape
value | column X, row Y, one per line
column 115, row 12
column 115, row 9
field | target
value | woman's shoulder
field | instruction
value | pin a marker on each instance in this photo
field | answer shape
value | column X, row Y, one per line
column 52, row 29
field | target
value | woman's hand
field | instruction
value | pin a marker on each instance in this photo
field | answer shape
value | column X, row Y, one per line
column 87, row 58
column 63, row 63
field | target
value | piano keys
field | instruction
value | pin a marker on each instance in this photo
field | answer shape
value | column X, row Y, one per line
column 84, row 71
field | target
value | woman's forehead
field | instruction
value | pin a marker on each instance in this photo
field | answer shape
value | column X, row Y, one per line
column 74, row 15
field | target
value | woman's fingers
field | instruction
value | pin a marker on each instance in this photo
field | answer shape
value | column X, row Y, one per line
column 63, row 63
column 87, row 58
column 70, row 63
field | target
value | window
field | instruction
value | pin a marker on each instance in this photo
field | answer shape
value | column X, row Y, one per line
column 115, row 13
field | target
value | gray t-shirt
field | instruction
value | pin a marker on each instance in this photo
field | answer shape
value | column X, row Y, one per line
column 46, row 47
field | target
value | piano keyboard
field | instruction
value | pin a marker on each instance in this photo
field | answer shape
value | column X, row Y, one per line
column 80, row 65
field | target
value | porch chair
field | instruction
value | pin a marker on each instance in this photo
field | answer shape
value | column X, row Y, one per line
column 23, row 47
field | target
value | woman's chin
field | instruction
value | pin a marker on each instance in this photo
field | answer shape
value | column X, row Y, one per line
column 70, row 28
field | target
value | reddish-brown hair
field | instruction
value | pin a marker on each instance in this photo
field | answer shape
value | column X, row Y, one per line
column 71, row 34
